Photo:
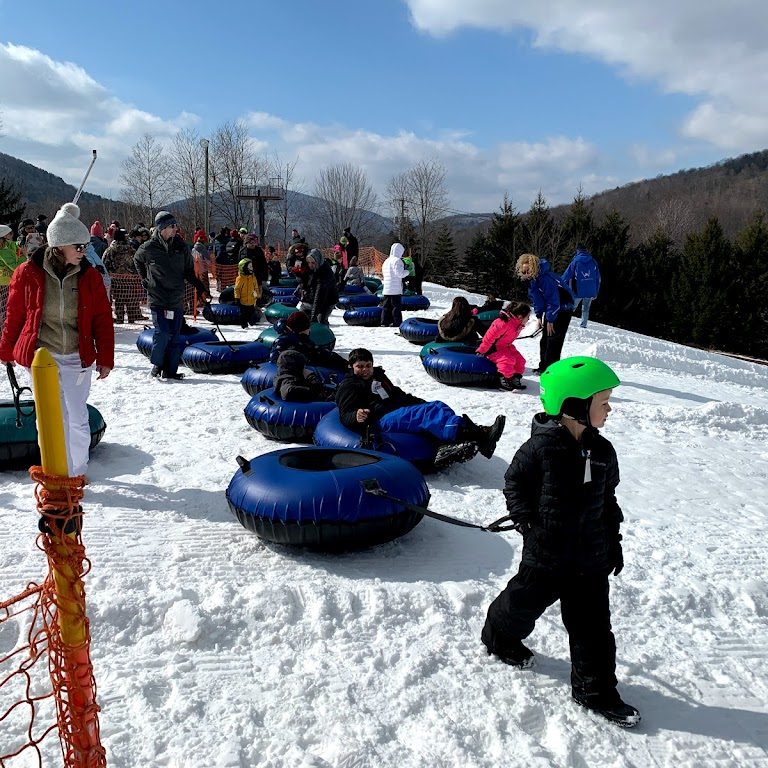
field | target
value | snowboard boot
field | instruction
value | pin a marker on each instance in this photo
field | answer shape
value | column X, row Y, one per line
column 512, row 383
column 516, row 654
column 611, row 707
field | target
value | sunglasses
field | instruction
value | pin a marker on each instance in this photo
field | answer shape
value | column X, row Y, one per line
column 80, row 247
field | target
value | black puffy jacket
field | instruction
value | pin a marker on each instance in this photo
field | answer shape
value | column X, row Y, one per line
column 568, row 524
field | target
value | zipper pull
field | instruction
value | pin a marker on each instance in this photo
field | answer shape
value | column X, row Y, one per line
column 587, row 466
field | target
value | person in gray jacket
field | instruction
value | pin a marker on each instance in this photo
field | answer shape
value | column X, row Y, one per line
column 164, row 262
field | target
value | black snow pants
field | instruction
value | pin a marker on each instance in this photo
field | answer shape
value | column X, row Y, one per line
column 550, row 347
column 586, row 615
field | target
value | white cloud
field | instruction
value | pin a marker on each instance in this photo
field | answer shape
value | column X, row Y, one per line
column 714, row 50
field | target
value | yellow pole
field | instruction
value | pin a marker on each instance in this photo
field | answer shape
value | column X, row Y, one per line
column 70, row 592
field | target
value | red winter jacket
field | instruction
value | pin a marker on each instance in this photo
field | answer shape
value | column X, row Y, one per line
column 24, row 315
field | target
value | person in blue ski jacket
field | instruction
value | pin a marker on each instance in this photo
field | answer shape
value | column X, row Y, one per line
column 582, row 276
column 552, row 304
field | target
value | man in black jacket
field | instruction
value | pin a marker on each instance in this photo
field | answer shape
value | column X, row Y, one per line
column 322, row 292
column 164, row 262
column 353, row 247
column 561, row 496
column 367, row 398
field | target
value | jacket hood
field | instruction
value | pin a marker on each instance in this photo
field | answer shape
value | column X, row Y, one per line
column 583, row 255
column 291, row 361
column 317, row 255
column 544, row 267
column 397, row 250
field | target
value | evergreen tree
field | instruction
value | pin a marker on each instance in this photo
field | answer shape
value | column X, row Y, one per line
column 539, row 234
column 481, row 264
column 501, row 241
column 748, row 319
column 443, row 266
column 577, row 227
column 703, row 286
column 610, row 247
column 11, row 206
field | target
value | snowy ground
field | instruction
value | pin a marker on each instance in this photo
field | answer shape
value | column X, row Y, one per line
column 214, row 650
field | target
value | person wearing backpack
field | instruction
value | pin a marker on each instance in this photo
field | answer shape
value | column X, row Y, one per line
column 583, row 278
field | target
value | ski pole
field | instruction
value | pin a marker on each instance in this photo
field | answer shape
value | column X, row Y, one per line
column 85, row 178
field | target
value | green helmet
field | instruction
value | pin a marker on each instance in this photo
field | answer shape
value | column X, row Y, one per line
column 579, row 377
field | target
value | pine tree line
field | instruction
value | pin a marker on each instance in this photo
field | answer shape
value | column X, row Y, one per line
column 706, row 290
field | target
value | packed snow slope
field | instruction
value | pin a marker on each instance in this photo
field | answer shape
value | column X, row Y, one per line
column 215, row 650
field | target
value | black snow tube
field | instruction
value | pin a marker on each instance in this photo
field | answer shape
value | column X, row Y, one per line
column 415, row 303
column 227, row 314
column 460, row 367
column 419, row 330
column 189, row 335
column 366, row 316
column 354, row 300
column 313, row 497
column 18, row 446
column 224, row 356
column 289, row 422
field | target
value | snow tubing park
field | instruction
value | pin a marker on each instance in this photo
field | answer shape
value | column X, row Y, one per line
column 189, row 335
column 419, row 330
column 459, row 366
column 369, row 317
column 289, row 422
column 224, row 356
column 226, row 314
column 18, row 446
column 354, row 300
column 262, row 376
column 419, row 450
column 321, row 334
column 312, row 497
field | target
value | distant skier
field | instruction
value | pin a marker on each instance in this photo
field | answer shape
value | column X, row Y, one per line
column 583, row 278
column 560, row 493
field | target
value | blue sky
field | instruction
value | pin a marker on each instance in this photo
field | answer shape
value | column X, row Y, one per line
column 509, row 96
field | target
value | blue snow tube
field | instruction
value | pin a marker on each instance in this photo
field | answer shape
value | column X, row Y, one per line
column 224, row 356
column 419, row 449
column 459, row 366
column 415, row 303
column 262, row 376
column 227, row 314
column 419, row 330
column 367, row 316
column 19, row 447
column 281, row 292
column 189, row 335
column 278, row 419
column 358, row 300
column 350, row 290
column 313, row 497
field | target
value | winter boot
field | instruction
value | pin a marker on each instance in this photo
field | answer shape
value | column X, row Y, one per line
column 611, row 707
column 491, row 436
column 173, row 376
column 512, row 383
column 516, row 654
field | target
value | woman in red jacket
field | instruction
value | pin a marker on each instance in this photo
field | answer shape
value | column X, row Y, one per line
column 57, row 300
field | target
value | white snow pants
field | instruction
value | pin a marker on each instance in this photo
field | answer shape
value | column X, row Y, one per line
column 75, row 383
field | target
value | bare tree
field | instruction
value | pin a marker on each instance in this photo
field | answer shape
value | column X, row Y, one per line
column 188, row 172
column 421, row 195
column 146, row 177
column 284, row 174
column 346, row 200
column 674, row 216
column 235, row 166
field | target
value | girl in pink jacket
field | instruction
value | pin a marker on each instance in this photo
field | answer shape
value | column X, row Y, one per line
column 499, row 347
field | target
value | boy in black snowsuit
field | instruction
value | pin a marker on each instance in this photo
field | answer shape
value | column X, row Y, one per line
column 560, row 494
column 295, row 384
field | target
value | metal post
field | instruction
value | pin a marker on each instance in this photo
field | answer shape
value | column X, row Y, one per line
column 207, row 224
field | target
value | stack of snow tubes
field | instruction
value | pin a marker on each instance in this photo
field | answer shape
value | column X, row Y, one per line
column 366, row 316
column 314, row 498
column 458, row 365
column 276, row 311
column 224, row 356
column 262, row 376
column 286, row 421
column 321, row 334
column 418, row 449
column 18, row 445
column 419, row 330
column 189, row 335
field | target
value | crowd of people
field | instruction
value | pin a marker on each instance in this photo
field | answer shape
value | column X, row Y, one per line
column 559, row 488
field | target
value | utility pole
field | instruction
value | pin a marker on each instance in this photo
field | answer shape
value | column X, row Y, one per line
column 206, row 224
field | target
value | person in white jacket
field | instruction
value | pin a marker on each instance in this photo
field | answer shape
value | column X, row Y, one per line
column 393, row 271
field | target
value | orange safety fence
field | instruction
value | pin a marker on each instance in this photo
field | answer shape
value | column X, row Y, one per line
column 58, row 629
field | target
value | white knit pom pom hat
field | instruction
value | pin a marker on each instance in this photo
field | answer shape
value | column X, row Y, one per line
column 66, row 227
